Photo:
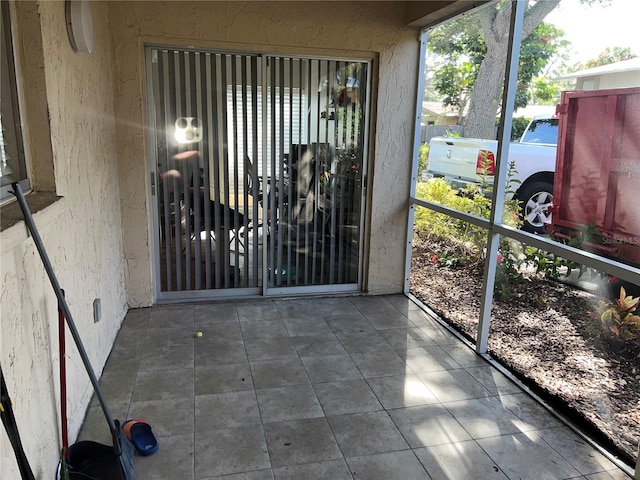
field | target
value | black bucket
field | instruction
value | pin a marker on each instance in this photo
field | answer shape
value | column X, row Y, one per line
column 89, row 460
column 93, row 460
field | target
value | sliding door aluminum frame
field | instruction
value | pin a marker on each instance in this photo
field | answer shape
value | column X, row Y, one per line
column 494, row 225
column 338, row 287
column 182, row 293
column 264, row 290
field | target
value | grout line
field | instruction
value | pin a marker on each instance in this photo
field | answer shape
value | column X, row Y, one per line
column 255, row 394
column 193, row 439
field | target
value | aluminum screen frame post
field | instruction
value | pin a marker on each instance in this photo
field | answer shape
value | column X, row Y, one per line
column 422, row 39
column 497, row 198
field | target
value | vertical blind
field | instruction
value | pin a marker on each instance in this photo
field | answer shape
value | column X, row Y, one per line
column 257, row 152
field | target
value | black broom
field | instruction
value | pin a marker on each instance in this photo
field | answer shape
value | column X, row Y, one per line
column 85, row 459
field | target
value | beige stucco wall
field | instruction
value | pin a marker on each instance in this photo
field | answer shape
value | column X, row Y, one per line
column 82, row 234
column 374, row 30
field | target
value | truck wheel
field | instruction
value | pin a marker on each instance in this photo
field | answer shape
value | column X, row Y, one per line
column 535, row 200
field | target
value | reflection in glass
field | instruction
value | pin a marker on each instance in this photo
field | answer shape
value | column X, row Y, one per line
column 257, row 154
column 573, row 332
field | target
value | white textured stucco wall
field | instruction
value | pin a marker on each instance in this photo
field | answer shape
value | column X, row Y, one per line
column 83, row 237
column 375, row 30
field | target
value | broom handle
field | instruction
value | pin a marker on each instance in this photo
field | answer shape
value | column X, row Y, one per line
column 17, row 190
column 63, row 379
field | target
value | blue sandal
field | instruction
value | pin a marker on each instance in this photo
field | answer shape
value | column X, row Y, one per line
column 140, row 435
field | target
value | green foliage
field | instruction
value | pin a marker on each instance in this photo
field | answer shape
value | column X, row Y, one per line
column 511, row 214
column 510, row 258
column 509, row 269
column 547, row 264
column 423, row 155
column 460, row 37
column 608, row 56
column 514, row 258
column 451, row 134
column 544, row 92
column 535, row 53
column 446, row 259
column 460, row 49
column 518, row 126
column 586, row 233
column 455, row 83
column 465, row 241
column 618, row 319
column 486, row 167
column 465, row 244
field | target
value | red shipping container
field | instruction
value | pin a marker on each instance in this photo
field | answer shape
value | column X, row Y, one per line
column 597, row 182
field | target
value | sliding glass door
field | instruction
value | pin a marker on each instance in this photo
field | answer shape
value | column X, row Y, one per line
column 258, row 172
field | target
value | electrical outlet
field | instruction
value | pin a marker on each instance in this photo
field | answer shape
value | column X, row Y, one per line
column 97, row 310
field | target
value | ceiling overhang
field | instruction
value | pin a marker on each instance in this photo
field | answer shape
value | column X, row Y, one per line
column 432, row 12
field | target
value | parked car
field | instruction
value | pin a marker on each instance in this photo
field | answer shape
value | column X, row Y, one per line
column 470, row 161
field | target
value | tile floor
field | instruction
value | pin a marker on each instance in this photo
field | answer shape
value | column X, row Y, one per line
column 326, row 388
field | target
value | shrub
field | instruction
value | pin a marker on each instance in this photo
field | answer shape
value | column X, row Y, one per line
column 509, row 268
column 423, row 155
column 518, row 126
column 463, row 240
column 464, row 244
column 618, row 319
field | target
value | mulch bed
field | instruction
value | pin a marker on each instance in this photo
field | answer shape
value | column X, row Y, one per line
column 545, row 336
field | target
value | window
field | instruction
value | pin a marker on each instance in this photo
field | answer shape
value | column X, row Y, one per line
column 542, row 130
column 12, row 158
column 294, row 102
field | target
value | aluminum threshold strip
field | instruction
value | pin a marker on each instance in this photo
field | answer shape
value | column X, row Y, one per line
column 513, row 378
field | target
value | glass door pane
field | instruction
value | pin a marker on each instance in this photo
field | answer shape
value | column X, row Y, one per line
column 252, row 152
column 315, row 114
column 207, row 129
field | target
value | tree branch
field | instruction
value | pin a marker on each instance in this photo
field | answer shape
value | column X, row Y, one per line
column 536, row 14
column 487, row 17
column 494, row 19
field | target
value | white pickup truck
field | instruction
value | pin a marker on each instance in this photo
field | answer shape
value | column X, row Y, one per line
column 464, row 161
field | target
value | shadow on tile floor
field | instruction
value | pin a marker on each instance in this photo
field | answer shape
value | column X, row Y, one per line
column 326, row 388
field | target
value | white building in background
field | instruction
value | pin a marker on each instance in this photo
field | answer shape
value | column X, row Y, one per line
column 615, row 75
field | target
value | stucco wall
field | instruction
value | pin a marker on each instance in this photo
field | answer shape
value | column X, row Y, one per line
column 374, row 30
column 83, row 237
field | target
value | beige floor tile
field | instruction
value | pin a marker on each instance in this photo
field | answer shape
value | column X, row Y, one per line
column 325, row 388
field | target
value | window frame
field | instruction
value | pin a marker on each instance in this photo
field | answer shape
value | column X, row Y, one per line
column 11, row 112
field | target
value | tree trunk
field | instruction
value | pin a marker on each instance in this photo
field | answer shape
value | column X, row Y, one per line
column 484, row 103
column 485, row 99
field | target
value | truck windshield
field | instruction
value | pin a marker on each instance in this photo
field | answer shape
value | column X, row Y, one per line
column 542, row 131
